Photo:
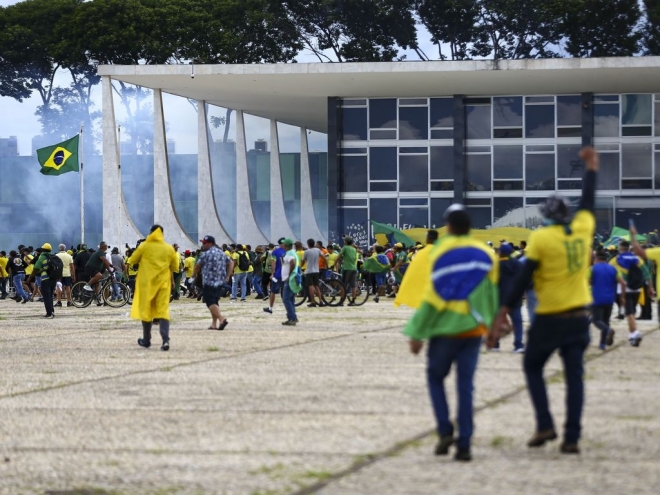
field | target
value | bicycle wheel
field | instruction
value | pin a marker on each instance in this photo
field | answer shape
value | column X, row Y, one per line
column 123, row 295
column 361, row 296
column 80, row 297
column 333, row 292
column 301, row 297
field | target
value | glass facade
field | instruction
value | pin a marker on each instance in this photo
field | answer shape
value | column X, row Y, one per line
column 517, row 149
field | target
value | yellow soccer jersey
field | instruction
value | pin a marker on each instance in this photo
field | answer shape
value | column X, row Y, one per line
column 653, row 254
column 561, row 280
column 190, row 266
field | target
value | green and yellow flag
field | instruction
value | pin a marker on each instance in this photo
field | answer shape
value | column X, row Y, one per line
column 59, row 158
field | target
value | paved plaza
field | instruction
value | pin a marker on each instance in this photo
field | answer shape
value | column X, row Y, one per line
column 335, row 405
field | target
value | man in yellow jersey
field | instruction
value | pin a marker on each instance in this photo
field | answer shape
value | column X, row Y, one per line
column 558, row 258
column 650, row 254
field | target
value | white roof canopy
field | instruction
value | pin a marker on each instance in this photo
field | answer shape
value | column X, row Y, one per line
column 297, row 94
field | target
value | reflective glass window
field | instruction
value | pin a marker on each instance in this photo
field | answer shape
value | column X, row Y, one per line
column 608, row 173
column 382, row 163
column 507, row 162
column 480, row 216
column 540, row 172
column 442, row 162
column 636, row 160
column 477, row 121
column 382, row 134
column 383, row 210
column 413, row 123
column 478, row 172
column 636, row 109
column 382, row 113
column 442, row 112
column 383, row 186
column 438, row 207
column 414, row 218
column 354, row 124
column 508, row 212
column 442, row 133
column 442, row 185
column 353, row 174
column 569, row 165
column 413, row 173
column 507, row 185
column 657, row 119
column 507, row 111
column 657, row 170
column 606, row 120
column 569, row 110
column 539, row 121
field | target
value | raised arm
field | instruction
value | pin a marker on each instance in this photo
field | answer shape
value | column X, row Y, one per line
column 590, row 158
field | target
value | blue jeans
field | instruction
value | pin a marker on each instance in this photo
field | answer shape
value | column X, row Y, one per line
column 532, row 302
column 516, row 319
column 239, row 278
column 571, row 337
column 256, row 283
column 289, row 301
column 18, row 285
column 442, row 352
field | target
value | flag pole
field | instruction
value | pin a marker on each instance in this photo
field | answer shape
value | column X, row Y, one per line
column 119, row 184
column 82, row 186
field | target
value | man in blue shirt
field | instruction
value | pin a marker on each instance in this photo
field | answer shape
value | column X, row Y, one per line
column 604, row 278
column 217, row 269
column 276, row 273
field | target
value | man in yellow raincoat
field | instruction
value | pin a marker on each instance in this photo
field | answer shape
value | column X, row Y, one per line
column 157, row 262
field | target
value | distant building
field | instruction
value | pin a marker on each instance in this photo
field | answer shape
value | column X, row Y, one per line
column 261, row 145
column 9, row 146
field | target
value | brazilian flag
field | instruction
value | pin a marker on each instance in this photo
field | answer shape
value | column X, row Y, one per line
column 59, row 158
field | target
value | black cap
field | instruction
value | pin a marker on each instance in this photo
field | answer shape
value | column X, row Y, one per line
column 281, row 240
column 208, row 239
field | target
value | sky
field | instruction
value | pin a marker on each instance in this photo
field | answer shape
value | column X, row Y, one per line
column 19, row 118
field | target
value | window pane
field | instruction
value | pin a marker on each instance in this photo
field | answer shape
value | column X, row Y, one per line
column 569, row 110
column 637, row 160
column 507, row 162
column 636, row 109
column 540, row 172
column 608, row 173
column 539, row 99
column 353, row 174
column 478, row 121
column 438, row 207
column 638, row 130
column 382, row 163
column 636, row 184
column 569, row 184
column 657, row 170
column 507, row 185
column 442, row 133
column 413, row 123
column 383, row 210
column 413, row 202
column 657, row 119
column 382, row 134
column 540, row 121
column 414, row 218
column 442, row 185
column 569, row 164
column 478, row 172
column 442, row 162
column 383, row 186
column 355, row 223
column 480, row 217
column 507, row 111
column 382, row 114
column 354, row 124
column 412, row 101
column 442, row 112
column 413, row 173
column 606, row 120
column 508, row 212
column 507, row 133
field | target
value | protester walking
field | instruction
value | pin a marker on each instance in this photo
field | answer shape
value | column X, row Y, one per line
column 216, row 269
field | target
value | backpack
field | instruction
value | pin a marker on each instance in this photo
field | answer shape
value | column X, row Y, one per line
column 55, row 267
column 243, row 261
column 635, row 278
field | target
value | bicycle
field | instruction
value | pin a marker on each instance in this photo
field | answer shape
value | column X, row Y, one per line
column 81, row 297
column 333, row 292
column 362, row 293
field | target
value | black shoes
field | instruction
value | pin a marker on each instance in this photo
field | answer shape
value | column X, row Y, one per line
column 569, row 448
column 58, row 304
column 540, row 437
column 144, row 343
column 165, row 346
column 443, row 445
column 463, row 454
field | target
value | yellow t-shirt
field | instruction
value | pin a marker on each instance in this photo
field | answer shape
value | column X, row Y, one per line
column 332, row 260
column 303, row 263
column 561, row 281
column 3, row 266
column 234, row 256
column 30, row 267
column 189, row 265
column 653, row 254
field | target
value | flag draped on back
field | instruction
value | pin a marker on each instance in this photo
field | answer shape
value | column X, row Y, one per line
column 412, row 288
column 459, row 291
column 378, row 264
column 59, row 158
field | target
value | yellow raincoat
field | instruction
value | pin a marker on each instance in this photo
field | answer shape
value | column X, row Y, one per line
column 153, row 284
column 418, row 276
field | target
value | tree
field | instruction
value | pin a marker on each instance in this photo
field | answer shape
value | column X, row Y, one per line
column 354, row 30
column 650, row 34
column 602, row 28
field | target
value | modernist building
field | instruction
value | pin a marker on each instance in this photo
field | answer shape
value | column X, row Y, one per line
column 405, row 140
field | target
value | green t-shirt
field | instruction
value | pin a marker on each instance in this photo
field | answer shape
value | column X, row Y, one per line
column 402, row 257
column 348, row 258
column 95, row 260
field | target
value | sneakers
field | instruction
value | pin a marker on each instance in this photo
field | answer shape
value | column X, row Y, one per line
column 41, row 299
column 569, row 448
column 443, row 445
column 268, row 310
column 165, row 346
column 635, row 339
column 58, row 304
column 232, row 301
column 376, row 299
column 620, row 317
column 540, row 437
column 69, row 304
column 261, row 297
column 49, row 317
column 519, row 350
column 144, row 343
column 290, row 323
column 243, row 300
column 88, row 288
column 463, row 454
column 266, row 298
column 610, row 337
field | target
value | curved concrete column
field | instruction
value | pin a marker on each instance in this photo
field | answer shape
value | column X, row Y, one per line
column 279, row 226
column 164, row 213
column 118, row 228
column 247, row 230
column 208, row 221
column 308, row 225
